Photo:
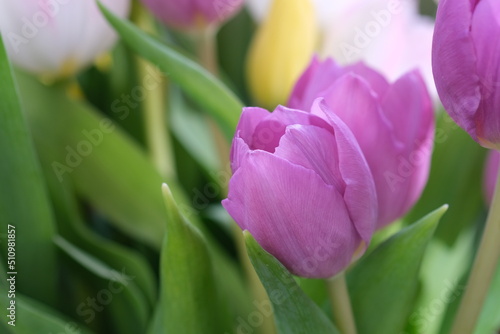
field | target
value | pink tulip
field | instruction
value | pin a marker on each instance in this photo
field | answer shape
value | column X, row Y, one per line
column 466, row 64
column 186, row 14
column 393, row 124
column 57, row 38
column 491, row 174
column 302, row 187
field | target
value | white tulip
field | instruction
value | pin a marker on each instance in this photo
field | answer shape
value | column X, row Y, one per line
column 57, row 37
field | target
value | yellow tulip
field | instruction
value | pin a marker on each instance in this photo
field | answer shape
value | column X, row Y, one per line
column 281, row 49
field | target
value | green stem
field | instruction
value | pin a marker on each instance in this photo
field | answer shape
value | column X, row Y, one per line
column 155, row 109
column 341, row 304
column 483, row 270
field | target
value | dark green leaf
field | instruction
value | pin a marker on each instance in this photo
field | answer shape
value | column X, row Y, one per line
column 294, row 312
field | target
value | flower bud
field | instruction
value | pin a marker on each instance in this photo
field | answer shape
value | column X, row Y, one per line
column 57, row 38
column 302, row 187
column 193, row 14
column 466, row 64
column 280, row 51
column 393, row 124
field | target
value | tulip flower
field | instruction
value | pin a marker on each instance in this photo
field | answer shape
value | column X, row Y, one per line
column 491, row 174
column 280, row 51
column 466, row 63
column 57, row 38
column 193, row 14
column 393, row 124
column 389, row 35
column 302, row 188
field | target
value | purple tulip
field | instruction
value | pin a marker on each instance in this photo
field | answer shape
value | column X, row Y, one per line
column 186, row 14
column 491, row 174
column 466, row 64
column 393, row 124
column 302, row 187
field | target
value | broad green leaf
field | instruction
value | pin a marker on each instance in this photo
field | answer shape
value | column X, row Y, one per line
column 35, row 317
column 189, row 299
column 198, row 83
column 455, row 178
column 294, row 312
column 127, row 305
column 23, row 198
column 383, row 285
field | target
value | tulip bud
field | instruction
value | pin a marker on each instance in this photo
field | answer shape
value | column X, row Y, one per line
column 57, row 38
column 393, row 124
column 302, row 187
column 280, row 51
column 466, row 64
column 491, row 174
column 193, row 14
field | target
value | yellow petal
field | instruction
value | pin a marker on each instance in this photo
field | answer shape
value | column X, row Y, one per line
column 281, row 49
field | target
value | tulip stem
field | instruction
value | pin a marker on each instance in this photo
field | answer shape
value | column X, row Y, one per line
column 155, row 108
column 483, row 270
column 341, row 304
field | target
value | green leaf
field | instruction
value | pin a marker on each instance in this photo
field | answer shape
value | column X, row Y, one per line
column 189, row 299
column 202, row 86
column 23, row 199
column 454, row 180
column 125, row 302
column 34, row 317
column 294, row 312
column 383, row 285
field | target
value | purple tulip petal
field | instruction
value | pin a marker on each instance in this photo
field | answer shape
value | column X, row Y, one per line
column 318, row 76
column 355, row 174
column 315, row 233
column 408, row 107
column 454, row 63
column 269, row 131
column 485, row 25
column 313, row 148
column 249, row 119
column 377, row 82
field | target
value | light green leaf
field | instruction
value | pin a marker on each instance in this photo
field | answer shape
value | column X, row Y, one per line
column 189, row 299
column 198, row 83
column 294, row 312
column 23, row 199
column 383, row 285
